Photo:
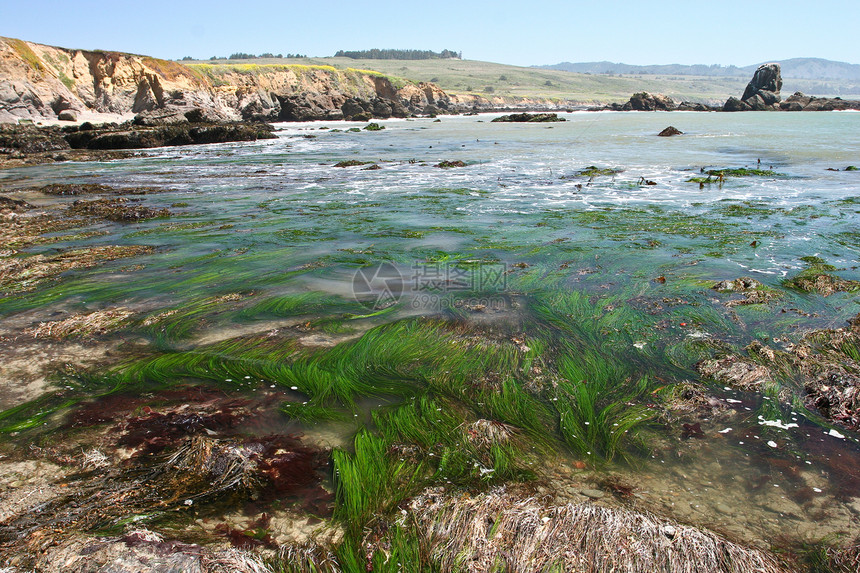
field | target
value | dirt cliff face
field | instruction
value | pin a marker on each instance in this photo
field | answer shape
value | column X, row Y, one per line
column 481, row 103
column 268, row 92
column 28, row 87
column 424, row 94
column 38, row 82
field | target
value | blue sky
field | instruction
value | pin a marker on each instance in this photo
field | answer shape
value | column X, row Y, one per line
column 513, row 32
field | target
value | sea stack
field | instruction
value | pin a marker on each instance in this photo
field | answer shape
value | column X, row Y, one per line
column 762, row 93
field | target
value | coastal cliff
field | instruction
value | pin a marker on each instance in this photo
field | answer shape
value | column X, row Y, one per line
column 39, row 82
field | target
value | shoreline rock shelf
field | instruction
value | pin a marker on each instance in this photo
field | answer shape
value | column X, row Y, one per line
column 529, row 118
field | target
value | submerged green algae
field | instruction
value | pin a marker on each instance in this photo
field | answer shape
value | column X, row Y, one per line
column 578, row 350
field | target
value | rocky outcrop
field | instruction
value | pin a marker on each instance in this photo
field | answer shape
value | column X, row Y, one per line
column 644, row 101
column 761, row 94
column 798, row 101
column 801, row 102
column 735, row 104
column 529, row 118
column 178, row 109
column 358, row 110
column 128, row 136
column 20, row 141
column 425, row 97
column 695, row 106
column 29, row 139
column 310, row 107
column 670, row 131
column 821, row 363
column 766, row 84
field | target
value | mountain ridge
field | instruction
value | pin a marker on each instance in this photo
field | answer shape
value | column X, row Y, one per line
column 799, row 68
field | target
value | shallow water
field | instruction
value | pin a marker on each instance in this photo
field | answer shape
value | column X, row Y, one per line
column 483, row 244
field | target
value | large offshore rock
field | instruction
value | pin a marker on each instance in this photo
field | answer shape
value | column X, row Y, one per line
column 644, row 101
column 173, row 114
column 762, row 93
column 767, row 78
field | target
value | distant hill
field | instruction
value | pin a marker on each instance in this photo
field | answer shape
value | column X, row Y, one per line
column 817, row 69
column 377, row 54
column 495, row 81
column 612, row 68
column 795, row 68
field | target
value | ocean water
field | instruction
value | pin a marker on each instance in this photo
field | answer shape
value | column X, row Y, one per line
column 285, row 202
column 519, row 223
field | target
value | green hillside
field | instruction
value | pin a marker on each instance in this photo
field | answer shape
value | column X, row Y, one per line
column 491, row 79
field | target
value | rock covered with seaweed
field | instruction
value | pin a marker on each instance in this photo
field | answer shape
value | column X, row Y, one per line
column 824, row 363
column 29, row 144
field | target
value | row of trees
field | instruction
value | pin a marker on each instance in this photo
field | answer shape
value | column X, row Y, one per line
column 374, row 54
column 244, row 56
column 377, row 54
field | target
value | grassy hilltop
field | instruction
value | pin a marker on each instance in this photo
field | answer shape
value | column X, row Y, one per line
column 490, row 79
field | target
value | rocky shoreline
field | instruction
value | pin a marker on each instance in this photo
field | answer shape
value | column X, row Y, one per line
column 27, row 144
column 181, row 121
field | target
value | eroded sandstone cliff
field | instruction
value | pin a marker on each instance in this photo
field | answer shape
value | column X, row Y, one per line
column 41, row 82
